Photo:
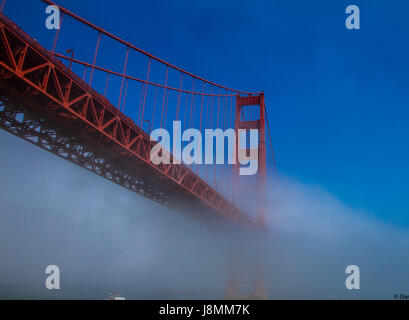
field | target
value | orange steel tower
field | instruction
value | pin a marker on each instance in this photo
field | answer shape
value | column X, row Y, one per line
column 254, row 101
column 256, row 275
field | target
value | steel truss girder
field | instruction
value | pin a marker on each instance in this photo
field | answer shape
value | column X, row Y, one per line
column 38, row 83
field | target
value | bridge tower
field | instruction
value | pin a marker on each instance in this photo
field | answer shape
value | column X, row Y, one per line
column 253, row 102
column 254, row 274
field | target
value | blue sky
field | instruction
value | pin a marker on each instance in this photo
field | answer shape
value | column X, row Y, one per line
column 337, row 99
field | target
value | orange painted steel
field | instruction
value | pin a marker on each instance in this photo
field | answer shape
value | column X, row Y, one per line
column 44, row 102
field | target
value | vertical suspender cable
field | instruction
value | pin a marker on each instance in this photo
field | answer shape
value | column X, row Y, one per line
column 56, row 36
column 164, row 96
column 123, row 77
column 95, row 58
column 179, row 96
column 144, row 94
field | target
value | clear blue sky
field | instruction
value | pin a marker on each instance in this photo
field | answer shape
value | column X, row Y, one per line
column 338, row 100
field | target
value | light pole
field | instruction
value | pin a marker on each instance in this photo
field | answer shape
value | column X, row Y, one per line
column 72, row 56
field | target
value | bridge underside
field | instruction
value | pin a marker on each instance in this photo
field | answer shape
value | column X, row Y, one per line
column 46, row 104
column 20, row 119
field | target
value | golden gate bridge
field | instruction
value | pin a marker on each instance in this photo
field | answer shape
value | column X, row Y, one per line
column 73, row 115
